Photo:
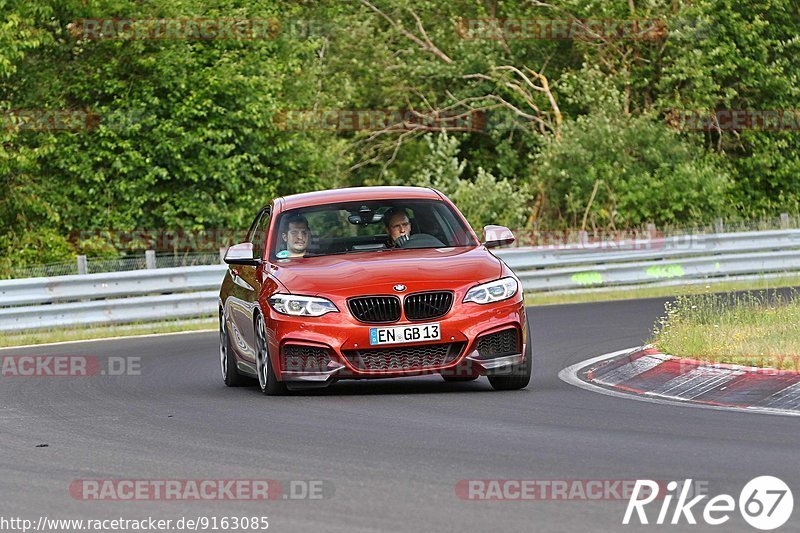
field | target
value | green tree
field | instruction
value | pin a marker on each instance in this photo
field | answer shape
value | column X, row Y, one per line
column 484, row 199
column 622, row 171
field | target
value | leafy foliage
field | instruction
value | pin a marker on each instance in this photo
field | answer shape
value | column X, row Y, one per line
column 484, row 200
column 189, row 136
column 638, row 169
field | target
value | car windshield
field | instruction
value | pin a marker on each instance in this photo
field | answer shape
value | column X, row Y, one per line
column 367, row 226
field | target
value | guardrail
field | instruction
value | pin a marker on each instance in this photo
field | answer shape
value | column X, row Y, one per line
column 186, row 292
column 643, row 261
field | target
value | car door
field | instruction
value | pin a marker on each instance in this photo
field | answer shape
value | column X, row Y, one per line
column 243, row 298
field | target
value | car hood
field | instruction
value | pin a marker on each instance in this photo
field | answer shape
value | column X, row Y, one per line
column 378, row 272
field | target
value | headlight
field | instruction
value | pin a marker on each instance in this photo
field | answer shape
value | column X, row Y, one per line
column 494, row 291
column 290, row 304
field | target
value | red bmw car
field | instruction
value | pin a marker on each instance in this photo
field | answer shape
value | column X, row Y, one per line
column 366, row 283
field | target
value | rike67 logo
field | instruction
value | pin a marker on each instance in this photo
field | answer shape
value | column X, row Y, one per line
column 766, row 503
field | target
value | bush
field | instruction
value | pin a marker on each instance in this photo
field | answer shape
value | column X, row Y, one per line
column 642, row 171
column 37, row 247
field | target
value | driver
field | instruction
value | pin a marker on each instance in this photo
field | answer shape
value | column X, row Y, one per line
column 296, row 237
column 398, row 226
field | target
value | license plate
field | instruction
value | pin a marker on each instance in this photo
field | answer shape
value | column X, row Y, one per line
column 402, row 334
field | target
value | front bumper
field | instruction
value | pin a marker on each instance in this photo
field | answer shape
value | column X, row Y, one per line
column 339, row 333
column 498, row 365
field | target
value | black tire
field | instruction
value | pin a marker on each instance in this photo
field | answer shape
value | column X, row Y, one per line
column 227, row 359
column 520, row 376
column 267, row 380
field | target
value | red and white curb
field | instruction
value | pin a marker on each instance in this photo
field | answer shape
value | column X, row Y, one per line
column 645, row 374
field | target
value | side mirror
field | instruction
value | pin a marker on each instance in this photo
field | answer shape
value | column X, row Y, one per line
column 495, row 236
column 241, row 254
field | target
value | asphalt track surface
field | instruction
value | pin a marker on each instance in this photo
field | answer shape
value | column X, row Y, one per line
column 393, row 450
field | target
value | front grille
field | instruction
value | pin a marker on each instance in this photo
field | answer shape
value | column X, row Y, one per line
column 406, row 357
column 375, row 309
column 499, row 344
column 301, row 358
column 427, row 305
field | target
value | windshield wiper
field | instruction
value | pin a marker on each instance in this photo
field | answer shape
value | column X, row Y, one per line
column 350, row 252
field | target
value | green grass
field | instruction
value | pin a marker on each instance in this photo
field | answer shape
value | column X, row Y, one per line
column 88, row 333
column 752, row 329
column 635, row 293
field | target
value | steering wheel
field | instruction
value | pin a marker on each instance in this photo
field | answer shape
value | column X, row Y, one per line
column 421, row 240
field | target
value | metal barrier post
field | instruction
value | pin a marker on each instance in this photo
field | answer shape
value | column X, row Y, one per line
column 150, row 259
column 83, row 265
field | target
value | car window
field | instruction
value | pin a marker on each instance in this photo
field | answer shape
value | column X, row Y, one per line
column 360, row 227
column 253, row 226
column 259, row 236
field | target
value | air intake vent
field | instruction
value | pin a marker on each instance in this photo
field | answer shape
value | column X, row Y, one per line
column 302, row 358
column 418, row 357
column 499, row 344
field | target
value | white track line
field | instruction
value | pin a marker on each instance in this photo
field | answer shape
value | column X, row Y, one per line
column 123, row 337
column 570, row 375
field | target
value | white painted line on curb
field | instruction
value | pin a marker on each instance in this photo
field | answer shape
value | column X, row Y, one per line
column 696, row 382
column 123, row 337
column 630, row 370
column 790, row 395
column 570, row 375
